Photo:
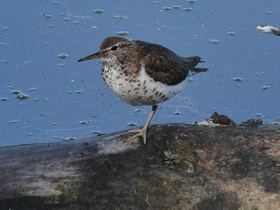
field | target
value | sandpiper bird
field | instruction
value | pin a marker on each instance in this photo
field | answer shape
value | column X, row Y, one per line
column 143, row 73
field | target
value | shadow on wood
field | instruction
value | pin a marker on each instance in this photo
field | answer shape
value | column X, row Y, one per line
column 181, row 167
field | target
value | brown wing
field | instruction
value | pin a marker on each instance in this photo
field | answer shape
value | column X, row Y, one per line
column 162, row 64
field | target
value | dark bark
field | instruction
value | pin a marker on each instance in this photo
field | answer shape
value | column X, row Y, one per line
column 181, row 167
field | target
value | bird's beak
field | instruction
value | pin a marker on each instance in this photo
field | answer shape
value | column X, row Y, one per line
column 93, row 56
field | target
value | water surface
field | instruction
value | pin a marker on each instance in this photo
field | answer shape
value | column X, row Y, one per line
column 41, row 41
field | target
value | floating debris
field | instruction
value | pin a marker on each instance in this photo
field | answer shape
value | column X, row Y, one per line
column 231, row 33
column 161, row 27
column 196, row 36
column 260, row 73
column 192, row 1
column 19, row 94
column 166, row 8
column 26, row 62
column 177, row 113
column 68, row 138
column 122, row 33
column 66, row 19
column 32, row 89
column 131, row 124
column 176, row 6
column 265, row 87
column 4, row 99
column 138, row 110
column 14, row 121
column 213, row 41
column 269, row 29
column 121, row 17
column 84, row 122
column 63, row 56
column 93, row 27
column 237, row 79
column 22, row 96
column 95, row 132
column 188, row 9
column 5, row 61
column 98, row 133
column 46, row 16
column 98, row 11
column 16, row 92
column 82, row 17
column 79, row 91
column 258, row 114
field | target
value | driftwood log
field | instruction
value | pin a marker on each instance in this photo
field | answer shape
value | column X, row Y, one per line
column 181, row 167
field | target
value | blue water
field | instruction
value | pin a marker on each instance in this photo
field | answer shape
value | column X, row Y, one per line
column 69, row 100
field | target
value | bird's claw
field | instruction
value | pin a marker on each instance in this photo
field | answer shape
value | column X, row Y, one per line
column 139, row 133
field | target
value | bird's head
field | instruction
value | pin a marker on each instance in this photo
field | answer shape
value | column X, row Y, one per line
column 110, row 49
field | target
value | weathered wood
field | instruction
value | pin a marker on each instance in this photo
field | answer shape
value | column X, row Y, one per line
column 181, row 167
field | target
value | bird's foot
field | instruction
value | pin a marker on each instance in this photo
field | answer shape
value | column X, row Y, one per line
column 139, row 133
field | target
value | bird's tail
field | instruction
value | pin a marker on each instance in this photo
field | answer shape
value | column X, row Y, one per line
column 192, row 62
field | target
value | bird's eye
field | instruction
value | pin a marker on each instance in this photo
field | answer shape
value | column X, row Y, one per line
column 114, row 48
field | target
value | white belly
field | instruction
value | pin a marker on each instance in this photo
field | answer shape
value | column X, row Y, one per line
column 144, row 90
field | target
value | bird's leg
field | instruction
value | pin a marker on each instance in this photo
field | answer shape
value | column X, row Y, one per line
column 142, row 132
